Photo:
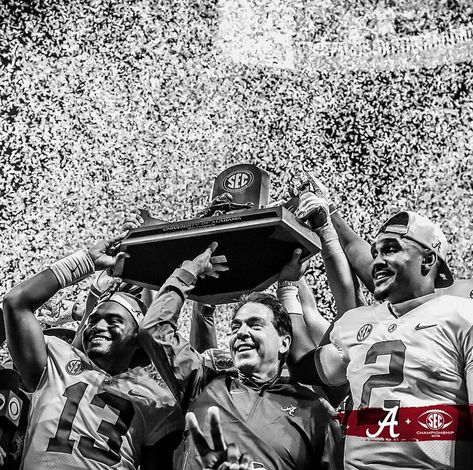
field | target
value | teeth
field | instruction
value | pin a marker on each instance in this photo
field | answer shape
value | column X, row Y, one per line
column 381, row 274
column 245, row 347
column 101, row 338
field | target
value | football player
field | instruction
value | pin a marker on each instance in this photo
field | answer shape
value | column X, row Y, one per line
column 88, row 410
column 409, row 360
column 358, row 251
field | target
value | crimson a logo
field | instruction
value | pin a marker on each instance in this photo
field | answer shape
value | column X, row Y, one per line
column 238, row 180
column 435, row 420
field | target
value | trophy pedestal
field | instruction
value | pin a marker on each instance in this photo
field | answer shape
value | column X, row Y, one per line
column 256, row 243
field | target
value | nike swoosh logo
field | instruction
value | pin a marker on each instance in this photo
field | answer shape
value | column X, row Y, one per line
column 423, row 327
column 134, row 394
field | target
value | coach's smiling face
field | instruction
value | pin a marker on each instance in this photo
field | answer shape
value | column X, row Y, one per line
column 397, row 268
column 255, row 344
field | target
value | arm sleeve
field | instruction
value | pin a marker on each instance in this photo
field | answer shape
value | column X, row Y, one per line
column 328, row 443
column 466, row 342
column 331, row 361
column 166, row 420
column 180, row 365
column 202, row 334
column 332, row 458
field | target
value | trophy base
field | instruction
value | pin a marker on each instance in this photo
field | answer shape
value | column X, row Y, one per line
column 256, row 243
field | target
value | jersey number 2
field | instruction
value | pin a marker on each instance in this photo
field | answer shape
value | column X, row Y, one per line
column 112, row 433
column 397, row 350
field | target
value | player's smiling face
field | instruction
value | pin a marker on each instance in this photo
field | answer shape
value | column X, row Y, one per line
column 110, row 331
column 396, row 268
column 255, row 344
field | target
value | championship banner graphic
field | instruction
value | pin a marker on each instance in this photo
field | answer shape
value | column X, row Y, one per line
column 426, row 423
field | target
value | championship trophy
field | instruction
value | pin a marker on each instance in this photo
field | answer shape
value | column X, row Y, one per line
column 253, row 240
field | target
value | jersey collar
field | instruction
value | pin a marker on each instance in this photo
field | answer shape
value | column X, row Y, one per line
column 401, row 308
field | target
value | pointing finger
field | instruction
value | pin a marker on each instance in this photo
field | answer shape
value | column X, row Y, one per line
column 212, row 247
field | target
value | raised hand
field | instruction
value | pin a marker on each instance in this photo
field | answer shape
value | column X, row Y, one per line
column 132, row 220
column 221, row 456
column 294, row 269
column 318, row 188
column 105, row 253
column 202, row 264
column 314, row 209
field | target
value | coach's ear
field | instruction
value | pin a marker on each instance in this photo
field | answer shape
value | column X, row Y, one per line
column 284, row 344
column 429, row 261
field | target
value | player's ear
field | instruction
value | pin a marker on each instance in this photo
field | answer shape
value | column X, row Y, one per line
column 429, row 261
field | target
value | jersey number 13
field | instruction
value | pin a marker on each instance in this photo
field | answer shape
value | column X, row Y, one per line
column 112, row 433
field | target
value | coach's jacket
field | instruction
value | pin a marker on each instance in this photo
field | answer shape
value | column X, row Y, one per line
column 282, row 424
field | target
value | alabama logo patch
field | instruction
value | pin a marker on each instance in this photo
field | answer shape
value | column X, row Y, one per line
column 364, row 332
column 75, row 367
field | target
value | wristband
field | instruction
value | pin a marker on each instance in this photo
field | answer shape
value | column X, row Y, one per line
column 330, row 242
column 73, row 268
column 288, row 283
column 327, row 232
column 289, row 298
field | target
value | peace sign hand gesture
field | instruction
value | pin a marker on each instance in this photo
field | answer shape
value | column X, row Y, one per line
column 221, row 457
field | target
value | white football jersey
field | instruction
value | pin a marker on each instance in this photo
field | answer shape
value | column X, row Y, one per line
column 83, row 418
column 408, row 379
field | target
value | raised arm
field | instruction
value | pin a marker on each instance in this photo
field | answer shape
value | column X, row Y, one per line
column 202, row 334
column 173, row 356
column 103, row 281
column 306, row 365
column 357, row 250
column 24, row 334
column 339, row 274
column 316, row 324
column 288, row 295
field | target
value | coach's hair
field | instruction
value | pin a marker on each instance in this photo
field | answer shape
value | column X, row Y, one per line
column 281, row 319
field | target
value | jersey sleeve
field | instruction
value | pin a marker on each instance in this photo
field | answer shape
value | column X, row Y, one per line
column 465, row 331
column 336, row 339
column 330, row 360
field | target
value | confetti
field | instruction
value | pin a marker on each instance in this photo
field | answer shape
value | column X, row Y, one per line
column 106, row 106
